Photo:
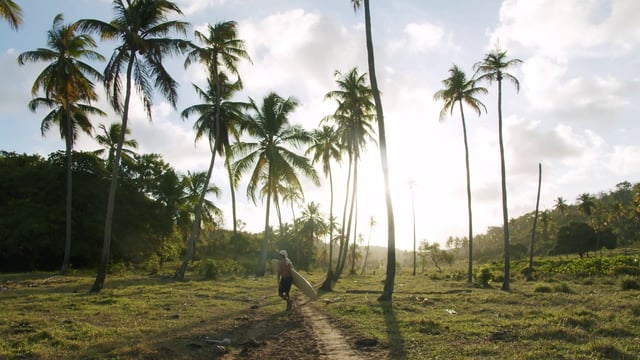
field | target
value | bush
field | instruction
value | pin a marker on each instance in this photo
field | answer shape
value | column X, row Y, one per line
column 484, row 276
column 629, row 283
column 118, row 269
column 625, row 270
column 543, row 289
column 563, row 288
column 212, row 269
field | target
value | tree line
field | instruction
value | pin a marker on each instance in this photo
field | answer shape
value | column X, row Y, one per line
column 606, row 220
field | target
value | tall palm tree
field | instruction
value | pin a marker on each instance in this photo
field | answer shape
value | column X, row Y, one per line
column 314, row 226
column 11, row 12
column 492, row 68
column 65, row 82
column 218, row 135
column 109, row 138
column 387, row 292
column 326, row 147
column 457, row 89
column 353, row 117
column 192, row 184
column 372, row 224
column 143, row 29
column 561, row 205
column 587, row 204
column 270, row 154
column 222, row 50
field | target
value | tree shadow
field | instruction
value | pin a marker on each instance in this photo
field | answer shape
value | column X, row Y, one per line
column 394, row 335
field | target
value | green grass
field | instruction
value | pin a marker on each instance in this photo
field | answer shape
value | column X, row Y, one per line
column 45, row 316
column 432, row 316
column 445, row 319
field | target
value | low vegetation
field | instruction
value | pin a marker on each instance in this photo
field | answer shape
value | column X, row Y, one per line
column 433, row 314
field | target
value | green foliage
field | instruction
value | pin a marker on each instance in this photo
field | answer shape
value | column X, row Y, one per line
column 625, row 270
column 543, row 289
column 584, row 267
column 563, row 288
column 212, row 269
column 484, row 276
column 630, row 283
column 209, row 269
column 32, row 204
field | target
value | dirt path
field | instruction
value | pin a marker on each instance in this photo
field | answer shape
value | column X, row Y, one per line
column 303, row 333
column 332, row 343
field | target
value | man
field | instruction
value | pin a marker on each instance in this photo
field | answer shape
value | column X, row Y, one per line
column 285, row 278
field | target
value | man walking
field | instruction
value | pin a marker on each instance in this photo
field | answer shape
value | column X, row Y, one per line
column 285, row 278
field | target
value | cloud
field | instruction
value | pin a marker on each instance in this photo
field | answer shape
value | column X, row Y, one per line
column 548, row 87
column 564, row 29
column 193, row 7
column 418, row 38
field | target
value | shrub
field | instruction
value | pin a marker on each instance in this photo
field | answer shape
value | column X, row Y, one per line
column 118, row 269
column 484, row 276
column 209, row 269
column 630, row 283
column 543, row 289
column 625, row 270
column 563, row 288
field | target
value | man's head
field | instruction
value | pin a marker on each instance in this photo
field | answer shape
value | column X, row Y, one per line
column 283, row 253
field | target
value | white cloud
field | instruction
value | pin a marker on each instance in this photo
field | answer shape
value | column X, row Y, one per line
column 564, row 29
column 192, row 7
column 547, row 87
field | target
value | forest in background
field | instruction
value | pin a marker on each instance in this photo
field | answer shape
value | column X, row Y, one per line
column 155, row 209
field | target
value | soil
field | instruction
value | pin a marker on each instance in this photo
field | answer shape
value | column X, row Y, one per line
column 301, row 333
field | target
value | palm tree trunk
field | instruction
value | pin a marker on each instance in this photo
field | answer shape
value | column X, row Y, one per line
column 265, row 243
column 69, row 148
column 344, row 222
column 535, row 221
column 197, row 220
column 470, row 216
column 106, row 245
column 326, row 285
column 387, row 292
column 347, row 235
column 233, row 205
column 505, row 211
column 355, row 237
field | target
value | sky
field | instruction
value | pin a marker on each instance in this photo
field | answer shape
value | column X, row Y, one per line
column 575, row 112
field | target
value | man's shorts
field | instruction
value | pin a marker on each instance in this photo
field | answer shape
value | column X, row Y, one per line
column 285, row 285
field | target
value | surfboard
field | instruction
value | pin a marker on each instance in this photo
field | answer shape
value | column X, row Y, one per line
column 298, row 280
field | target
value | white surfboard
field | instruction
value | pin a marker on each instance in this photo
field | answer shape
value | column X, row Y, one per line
column 298, row 280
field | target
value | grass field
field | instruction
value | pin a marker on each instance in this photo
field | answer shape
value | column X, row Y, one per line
column 434, row 316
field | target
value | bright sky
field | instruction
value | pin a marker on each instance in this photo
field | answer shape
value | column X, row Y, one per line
column 576, row 112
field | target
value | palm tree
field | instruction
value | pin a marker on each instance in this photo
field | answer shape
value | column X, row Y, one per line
column 230, row 113
column 109, row 141
column 11, row 12
column 222, row 50
column 372, row 224
column 587, row 204
column 561, row 205
column 325, row 148
column 353, row 117
column 65, row 82
column 313, row 227
column 387, row 292
column 494, row 67
column 143, row 29
column 193, row 184
column 457, row 89
column 269, row 154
